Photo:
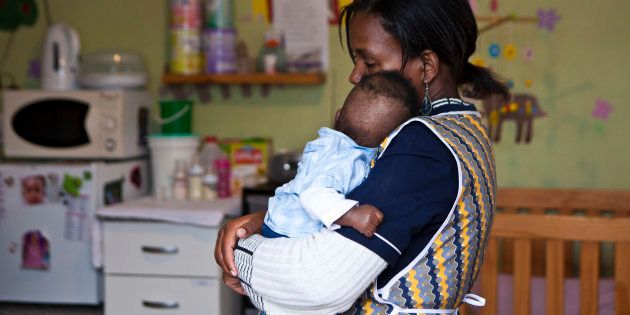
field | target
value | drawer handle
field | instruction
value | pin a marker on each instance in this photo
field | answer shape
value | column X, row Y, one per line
column 160, row 304
column 160, row 249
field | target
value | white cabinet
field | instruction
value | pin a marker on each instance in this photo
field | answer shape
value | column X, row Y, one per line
column 163, row 268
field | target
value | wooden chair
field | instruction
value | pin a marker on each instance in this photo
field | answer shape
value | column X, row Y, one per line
column 533, row 239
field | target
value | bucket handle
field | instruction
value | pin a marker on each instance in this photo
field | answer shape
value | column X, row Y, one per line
column 174, row 117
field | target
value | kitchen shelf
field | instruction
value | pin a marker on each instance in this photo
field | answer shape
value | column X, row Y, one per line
column 247, row 78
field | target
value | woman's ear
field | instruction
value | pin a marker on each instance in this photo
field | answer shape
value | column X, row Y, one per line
column 431, row 64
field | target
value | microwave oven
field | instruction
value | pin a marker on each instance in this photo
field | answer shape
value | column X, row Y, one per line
column 83, row 124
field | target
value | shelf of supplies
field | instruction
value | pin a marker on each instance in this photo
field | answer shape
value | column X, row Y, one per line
column 246, row 78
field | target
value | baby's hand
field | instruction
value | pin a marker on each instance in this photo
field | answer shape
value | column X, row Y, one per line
column 363, row 218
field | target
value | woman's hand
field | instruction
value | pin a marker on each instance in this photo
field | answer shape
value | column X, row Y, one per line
column 230, row 233
column 233, row 283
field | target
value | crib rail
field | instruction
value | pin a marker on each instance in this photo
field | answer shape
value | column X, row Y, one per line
column 532, row 240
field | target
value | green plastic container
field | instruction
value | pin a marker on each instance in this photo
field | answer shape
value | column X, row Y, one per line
column 176, row 117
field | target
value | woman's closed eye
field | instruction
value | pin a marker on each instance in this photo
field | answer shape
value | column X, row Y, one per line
column 371, row 66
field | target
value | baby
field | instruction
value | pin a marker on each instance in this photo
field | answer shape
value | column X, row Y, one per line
column 339, row 160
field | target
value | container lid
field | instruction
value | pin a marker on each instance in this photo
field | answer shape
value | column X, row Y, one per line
column 113, row 69
column 173, row 140
column 173, row 135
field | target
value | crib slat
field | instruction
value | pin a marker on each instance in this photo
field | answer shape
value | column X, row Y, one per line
column 569, row 262
column 538, row 248
column 555, row 277
column 489, row 277
column 589, row 278
column 622, row 278
column 522, row 276
column 507, row 248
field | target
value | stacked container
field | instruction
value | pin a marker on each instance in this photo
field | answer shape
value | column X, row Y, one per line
column 219, row 36
column 185, row 36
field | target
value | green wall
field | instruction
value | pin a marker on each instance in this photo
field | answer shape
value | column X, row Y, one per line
column 582, row 60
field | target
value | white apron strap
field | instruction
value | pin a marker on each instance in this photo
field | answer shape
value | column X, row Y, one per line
column 474, row 300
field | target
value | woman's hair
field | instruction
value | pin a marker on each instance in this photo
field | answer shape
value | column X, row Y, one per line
column 446, row 27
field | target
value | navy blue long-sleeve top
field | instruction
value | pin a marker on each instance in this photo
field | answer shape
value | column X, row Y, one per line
column 414, row 183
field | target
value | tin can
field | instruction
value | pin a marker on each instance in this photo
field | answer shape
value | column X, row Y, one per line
column 219, row 13
column 218, row 50
column 185, row 13
column 185, row 56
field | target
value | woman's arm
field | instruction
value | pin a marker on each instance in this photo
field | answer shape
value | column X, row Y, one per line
column 323, row 273
column 319, row 274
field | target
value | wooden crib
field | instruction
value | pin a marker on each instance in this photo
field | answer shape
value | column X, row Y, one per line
column 535, row 233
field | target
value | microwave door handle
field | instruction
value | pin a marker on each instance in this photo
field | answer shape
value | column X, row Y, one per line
column 92, row 123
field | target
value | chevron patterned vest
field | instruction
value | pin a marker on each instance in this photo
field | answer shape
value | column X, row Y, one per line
column 438, row 280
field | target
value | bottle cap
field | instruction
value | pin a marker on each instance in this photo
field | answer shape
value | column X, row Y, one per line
column 211, row 138
column 195, row 169
column 210, row 179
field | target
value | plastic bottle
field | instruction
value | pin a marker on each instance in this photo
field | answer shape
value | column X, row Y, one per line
column 209, row 184
column 195, row 174
column 180, row 186
column 222, row 166
column 210, row 151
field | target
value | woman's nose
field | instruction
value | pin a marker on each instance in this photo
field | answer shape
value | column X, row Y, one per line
column 356, row 74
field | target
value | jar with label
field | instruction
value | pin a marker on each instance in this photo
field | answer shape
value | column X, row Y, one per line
column 219, row 50
column 185, row 36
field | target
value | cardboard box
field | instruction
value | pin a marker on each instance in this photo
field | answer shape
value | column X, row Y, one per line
column 249, row 160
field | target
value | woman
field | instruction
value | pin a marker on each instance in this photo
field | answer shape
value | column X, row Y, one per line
column 434, row 182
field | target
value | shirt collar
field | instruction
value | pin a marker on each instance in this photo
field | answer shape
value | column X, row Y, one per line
column 445, row 105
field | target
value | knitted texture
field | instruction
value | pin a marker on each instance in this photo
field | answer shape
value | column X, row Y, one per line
column 323, row 273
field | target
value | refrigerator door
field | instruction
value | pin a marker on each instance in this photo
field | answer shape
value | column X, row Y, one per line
column 46, row 216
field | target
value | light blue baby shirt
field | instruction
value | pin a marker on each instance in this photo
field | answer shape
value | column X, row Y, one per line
column 334, row 161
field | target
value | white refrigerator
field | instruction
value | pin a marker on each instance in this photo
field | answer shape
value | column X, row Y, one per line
column 47, row 212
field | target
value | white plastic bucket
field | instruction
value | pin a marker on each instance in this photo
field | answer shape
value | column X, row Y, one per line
column 165, row 151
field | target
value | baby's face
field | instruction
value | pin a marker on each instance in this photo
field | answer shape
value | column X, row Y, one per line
column 33, row 190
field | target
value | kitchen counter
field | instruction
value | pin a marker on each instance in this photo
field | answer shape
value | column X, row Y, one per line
column 195, row 212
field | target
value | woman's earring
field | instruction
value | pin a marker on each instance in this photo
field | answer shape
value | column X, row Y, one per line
column 427, row 107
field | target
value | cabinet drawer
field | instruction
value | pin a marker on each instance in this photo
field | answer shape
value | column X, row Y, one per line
column 153, row 248
column 154, row 295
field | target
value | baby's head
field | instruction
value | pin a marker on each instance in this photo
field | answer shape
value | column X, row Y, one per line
column 378, row 104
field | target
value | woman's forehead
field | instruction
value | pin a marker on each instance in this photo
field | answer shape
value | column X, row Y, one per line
column 368, row 37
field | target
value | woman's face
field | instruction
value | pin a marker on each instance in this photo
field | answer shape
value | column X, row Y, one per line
column 376, row 50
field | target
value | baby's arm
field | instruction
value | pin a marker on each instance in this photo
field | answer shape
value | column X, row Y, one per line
column 333, row 209
column 363, row 218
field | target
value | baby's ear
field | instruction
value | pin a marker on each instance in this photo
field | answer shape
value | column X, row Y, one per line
column 337, row 115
